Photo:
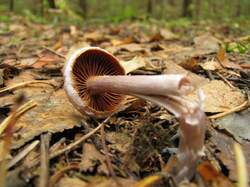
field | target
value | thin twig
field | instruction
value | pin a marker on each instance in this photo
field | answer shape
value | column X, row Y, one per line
column 21, row 110
column 23, row 153
column 225, row 80
column 106, row 152
column 53, row 51
column 236, row 109
column 71, row 146
column 55, row 178
column 108, row 161
column 75, row 144
column 7, row 140
column 44, row 169
column 23, row 84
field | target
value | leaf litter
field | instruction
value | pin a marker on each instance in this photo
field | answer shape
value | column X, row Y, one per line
column 141, row 137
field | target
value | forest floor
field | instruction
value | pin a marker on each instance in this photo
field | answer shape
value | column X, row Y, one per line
column 139, row 138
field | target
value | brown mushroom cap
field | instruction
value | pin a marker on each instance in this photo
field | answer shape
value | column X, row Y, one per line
column 96, row 62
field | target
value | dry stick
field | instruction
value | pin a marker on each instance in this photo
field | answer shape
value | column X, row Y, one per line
column 236, row 109
column 55, row 178
column 23, row 84
column 225, row 80
column 71, row 146
column 6, row 142
column 23, row 153
column 108, row 161
column 21, row 110
column 44, row 169
column 53, row 51
column 245, row 66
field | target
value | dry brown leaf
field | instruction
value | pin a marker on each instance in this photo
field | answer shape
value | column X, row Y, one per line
column 191, row 64
column 211, row 65
column 48, row 60
column 197, row 81
column 133, row 64
column 91, row 158
column 95, row 181
column 123, row 41
column 207, row 42
column 219, row 97
column 133, row 47
column 221, row 145
column 221, row 57
column 237, row 124
column 212, row 177
column 72, row 182
column 54, row 113
column 120, row 141
column 95, row 36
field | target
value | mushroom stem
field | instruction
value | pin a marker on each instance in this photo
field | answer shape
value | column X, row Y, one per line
column 140, row 84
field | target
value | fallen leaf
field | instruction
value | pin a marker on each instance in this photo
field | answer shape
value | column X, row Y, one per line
column 123, row 41
column 236, row 124
column 133, row 64
column 191, row 64
column 26, row 62
column 197, row 81
column 54, row 113
column 133, row 47
column 95, row 36
column 72, row 182
column 48, row 60
column 1, row 77
column 221, row 56
column 211, row 176
column 208, row 42
column 222, row 147
column 91, row 158
column 163, row 34
column 219, row 97
column 120, row 141
column 211, row 65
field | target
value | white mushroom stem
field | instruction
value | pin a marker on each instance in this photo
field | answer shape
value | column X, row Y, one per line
column 167, row 91
column 162, row 85
column 193, row 123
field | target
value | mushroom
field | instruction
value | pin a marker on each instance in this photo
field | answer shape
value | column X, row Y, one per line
column 96, row 84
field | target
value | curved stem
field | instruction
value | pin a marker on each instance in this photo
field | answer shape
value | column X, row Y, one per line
column 167, row 91
column 140, row 84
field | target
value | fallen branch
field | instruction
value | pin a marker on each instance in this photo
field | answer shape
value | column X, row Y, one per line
column 23, row 84
column 235, row 109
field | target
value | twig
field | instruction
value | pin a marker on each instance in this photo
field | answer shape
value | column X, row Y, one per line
column 106, row 152
column 225, row 80
column 23, row 153
column 55, row 178
column 7, row 140
column 245, row 66
column 72, row 146
column 23, row 84
column 236, row 109
column 241, row 166
column 108, row 161
column 57, row 145
column 148, row 181
column 53, row 51
column 44, row 170
column 24, row 108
